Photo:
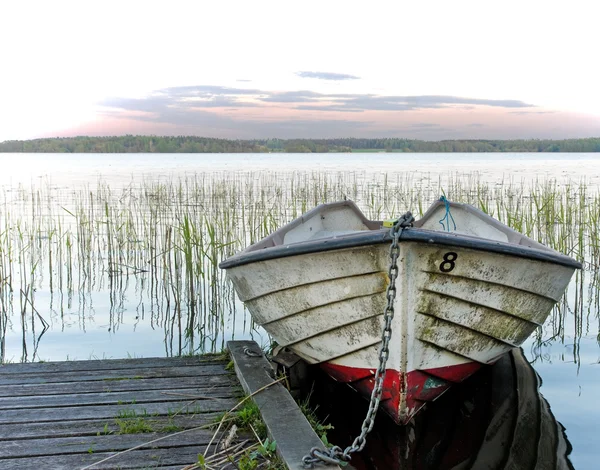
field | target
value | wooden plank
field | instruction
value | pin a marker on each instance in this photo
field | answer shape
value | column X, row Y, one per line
column 91, row 427
column 285, row 422
column 103, row 443
column 107, row 375
column 136, row 459
column 98, row 412
column 109, row 364
column 116, row 398
column 64, row 415
column 225, row 380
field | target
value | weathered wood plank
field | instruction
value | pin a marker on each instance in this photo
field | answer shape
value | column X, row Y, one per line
column 105, row 374
column 64, row 415
column 227, row 380
column 91, row 427
column 109, row 364
column 116, row 398
column 99, row 412
column 103, row 443
column 136, row 459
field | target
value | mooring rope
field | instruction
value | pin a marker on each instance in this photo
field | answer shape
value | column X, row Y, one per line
column 447, row 216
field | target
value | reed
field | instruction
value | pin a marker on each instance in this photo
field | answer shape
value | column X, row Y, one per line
column 153, row 248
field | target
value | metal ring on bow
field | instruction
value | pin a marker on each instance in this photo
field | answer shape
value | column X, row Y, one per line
column 251, row 353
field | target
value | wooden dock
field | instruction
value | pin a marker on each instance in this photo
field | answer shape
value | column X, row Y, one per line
column 75, row 415
column 285, row 422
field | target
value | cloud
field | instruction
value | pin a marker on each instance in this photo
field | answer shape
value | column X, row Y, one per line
column 313, row 107
column 212, row 96
column 240, row 112
column 327, row 75
column 162, row 102
column 192, row 110
column 368, row 102
column 405, row 103
column 206, row 90
column 150, row 105
column 533, row 112
column 291, row 97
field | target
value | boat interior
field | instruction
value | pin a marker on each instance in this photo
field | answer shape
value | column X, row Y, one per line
column 344, row 218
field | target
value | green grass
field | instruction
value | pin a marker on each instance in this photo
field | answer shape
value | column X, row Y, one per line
column 133, row 422
column 248, row 418
column 262, row 454
column 138, row 422
column 319, row 426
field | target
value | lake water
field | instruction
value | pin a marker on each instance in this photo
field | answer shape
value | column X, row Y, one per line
column 120, row 169
column 99, row 320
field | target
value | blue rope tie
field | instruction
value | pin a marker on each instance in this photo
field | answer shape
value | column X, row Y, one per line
column 447, row 216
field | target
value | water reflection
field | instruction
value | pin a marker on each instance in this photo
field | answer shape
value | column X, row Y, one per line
column 496, row 419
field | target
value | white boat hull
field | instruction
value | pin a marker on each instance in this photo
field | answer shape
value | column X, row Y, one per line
column 456, row 309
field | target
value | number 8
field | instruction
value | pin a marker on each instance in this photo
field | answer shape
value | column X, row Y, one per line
column 449, row 262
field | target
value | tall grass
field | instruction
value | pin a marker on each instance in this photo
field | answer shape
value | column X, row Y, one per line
column 161, row 242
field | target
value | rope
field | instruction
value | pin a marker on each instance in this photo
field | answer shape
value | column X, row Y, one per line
column 447, row 216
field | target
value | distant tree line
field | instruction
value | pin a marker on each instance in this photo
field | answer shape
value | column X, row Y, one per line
column 131, row 144
column 190, row 144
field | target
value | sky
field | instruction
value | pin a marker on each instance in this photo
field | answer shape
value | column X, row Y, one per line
column 428, row 70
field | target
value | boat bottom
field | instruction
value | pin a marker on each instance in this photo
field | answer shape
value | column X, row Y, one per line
column 404, row 394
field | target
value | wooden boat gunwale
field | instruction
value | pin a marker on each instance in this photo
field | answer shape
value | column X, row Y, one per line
column 271, row 247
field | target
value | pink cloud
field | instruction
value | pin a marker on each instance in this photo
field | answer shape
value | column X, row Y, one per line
column 214, row 111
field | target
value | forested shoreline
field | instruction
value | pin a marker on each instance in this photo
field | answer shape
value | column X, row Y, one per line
column 191, row 144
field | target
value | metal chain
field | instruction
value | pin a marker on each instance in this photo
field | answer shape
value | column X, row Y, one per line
column 335, row 455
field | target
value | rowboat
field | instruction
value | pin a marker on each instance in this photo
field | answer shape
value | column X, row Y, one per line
column 466, row 290
column 496, row 419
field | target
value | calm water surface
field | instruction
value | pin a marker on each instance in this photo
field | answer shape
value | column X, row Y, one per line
column 103, row 326
column 121, row 169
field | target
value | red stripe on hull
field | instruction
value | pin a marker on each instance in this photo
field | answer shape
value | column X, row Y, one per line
column 421, row 386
